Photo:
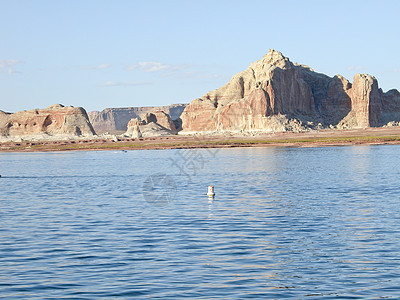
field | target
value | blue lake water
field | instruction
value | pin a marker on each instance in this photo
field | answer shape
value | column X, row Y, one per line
column 315, row 223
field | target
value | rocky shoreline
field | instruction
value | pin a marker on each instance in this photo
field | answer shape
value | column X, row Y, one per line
column 321, row 138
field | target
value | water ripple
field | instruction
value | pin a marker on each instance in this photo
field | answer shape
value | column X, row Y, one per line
column 286, row 223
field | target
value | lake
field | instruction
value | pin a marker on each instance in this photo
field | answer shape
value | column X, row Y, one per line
column 317, row 223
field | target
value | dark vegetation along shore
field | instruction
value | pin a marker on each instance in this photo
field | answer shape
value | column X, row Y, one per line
column 369, row 136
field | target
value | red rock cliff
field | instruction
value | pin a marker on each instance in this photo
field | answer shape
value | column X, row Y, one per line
column 54, row 120
column 274, row 86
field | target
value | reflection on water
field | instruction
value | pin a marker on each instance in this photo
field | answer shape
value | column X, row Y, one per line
column 285, row 222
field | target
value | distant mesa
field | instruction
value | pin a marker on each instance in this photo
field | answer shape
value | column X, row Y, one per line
column 116, row 119
column 274, row 94
column 54, row 120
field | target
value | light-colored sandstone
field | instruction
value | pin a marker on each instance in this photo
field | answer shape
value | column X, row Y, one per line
column 154, row 124
column 133, row 129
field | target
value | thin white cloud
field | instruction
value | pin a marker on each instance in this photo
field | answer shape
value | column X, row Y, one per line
column 98, row 67
column 149, row 66
column 392, row 71
column 356, row 68
column 152, row 66
column 179, row 71
column 124, row 84
column 8, row 65
column 11, row 71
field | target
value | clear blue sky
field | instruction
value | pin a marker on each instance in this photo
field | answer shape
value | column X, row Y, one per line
column 99, row 54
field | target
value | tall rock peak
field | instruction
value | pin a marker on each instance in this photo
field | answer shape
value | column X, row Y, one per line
column 274, row 86
column 272, row 60
column 275, row 58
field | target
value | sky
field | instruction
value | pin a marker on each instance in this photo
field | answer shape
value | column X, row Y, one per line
column 120, row 53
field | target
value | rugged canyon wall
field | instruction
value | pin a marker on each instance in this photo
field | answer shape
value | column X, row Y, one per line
column 112, row 119
column 53, row 120
column 274, row 94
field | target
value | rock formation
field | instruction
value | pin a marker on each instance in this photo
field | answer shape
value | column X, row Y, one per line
column 133, row 129
column 161, row 118
column 154, row 130
column 53, row 120
column 275, row 91
column 154, row 124
column 116, row 119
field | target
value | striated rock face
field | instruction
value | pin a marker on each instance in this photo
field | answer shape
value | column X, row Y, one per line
column 53, row 120
column 366, row 100
column 274, row 86
column 336, row 103
column 112, row 119
column 199, row 115
column 390, row 107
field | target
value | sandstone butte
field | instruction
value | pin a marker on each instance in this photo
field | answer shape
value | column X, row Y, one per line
column 274, row 94
column 53, row 120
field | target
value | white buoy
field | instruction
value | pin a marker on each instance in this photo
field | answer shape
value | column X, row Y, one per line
column 210, row 192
